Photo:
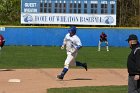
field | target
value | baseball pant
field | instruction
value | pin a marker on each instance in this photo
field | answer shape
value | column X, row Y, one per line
column 133, row 85
column 2, row 44
column 99, row 45
column 70, row 60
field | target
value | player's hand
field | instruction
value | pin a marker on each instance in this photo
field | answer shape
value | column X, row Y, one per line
column 136, row 77
column 62, row 47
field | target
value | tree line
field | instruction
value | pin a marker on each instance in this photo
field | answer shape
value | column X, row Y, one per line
column 128, row 13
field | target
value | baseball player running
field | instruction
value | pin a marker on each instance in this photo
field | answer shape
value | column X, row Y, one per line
column 103, row 38
column 73, row 45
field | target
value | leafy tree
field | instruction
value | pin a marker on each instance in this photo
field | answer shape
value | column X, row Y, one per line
column 9, row 12
column 128, row 14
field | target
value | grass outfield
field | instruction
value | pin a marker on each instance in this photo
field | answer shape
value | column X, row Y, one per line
column 104, row 89
column 53, row 57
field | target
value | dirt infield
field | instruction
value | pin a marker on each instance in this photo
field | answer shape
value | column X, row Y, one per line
column 38, row 80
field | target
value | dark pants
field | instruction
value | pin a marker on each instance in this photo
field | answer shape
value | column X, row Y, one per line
column 2, row 44
column 133, row 85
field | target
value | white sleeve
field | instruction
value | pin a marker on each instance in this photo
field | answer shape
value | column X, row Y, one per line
column 64, row 41
column 78, row 41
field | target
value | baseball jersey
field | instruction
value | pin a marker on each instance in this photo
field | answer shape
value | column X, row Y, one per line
column 71, row 42
column 103, row 37
column 1, row 39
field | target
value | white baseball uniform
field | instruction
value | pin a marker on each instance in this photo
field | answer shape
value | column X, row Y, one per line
column 72, row 43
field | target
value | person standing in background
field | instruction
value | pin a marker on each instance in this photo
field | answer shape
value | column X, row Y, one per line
column 2, row 41
column 103, row 39
column 133, row 65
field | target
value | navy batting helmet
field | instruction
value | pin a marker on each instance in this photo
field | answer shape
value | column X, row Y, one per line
column 72, row 30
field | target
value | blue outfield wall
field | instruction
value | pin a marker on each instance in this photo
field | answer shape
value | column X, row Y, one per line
column 54, row 36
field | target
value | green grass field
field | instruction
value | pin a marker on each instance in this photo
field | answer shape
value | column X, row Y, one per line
column 54, row 57
column 102, row 89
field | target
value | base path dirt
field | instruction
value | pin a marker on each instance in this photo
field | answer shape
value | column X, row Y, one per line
column 39, row 80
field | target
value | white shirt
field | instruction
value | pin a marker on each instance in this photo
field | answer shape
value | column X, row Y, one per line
column 71, row 42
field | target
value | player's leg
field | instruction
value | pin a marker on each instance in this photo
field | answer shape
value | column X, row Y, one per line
column 84, row 65
column 99, row 45
column 66, row 66
column 133, row 85
column 77, row 63
column 64, row 71
column 3, row 44
column 107, row 48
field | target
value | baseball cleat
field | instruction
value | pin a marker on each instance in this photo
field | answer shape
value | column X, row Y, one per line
column 60, row 77
column 85, row 66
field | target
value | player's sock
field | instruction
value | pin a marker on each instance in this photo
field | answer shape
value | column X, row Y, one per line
column 107, row 48
column 99, row 46
column 64, row 72
column 79, row 63
column 84, row 65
